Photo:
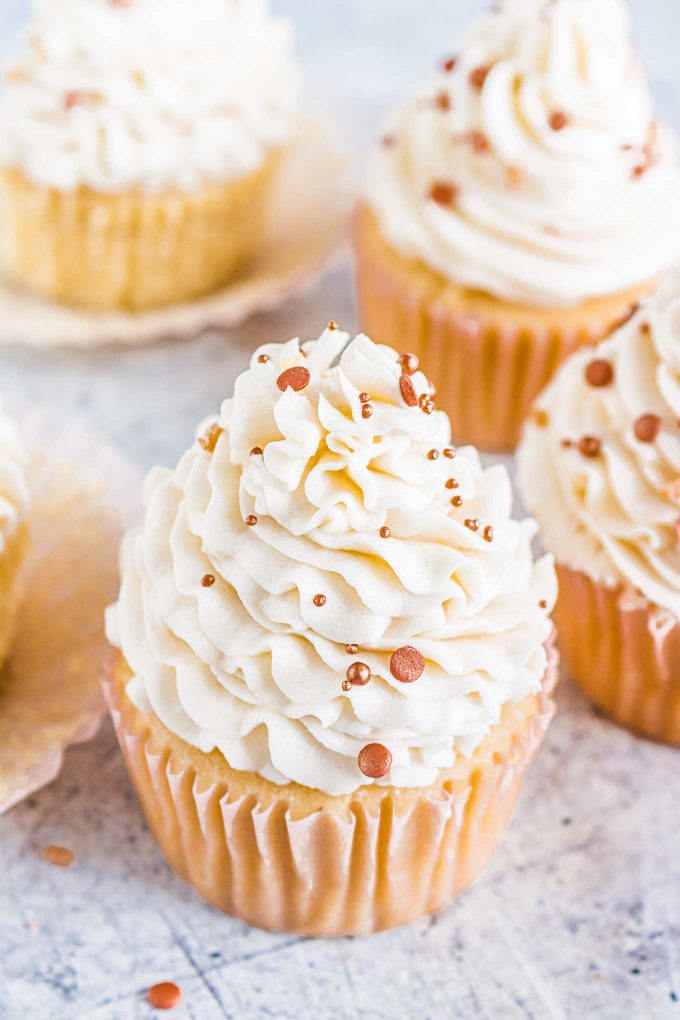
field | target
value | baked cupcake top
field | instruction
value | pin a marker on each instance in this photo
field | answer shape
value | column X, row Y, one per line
column 323, row 571
column 600, row 458
column 532, row 167
column 118, row 94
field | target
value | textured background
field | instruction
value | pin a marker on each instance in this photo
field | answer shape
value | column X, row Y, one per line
column 578, row 916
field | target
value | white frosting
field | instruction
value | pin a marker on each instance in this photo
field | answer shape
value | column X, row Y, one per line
column 541, row 216
column 251, row 665
column 148, row 93
column 14, row 482
column 614, row 516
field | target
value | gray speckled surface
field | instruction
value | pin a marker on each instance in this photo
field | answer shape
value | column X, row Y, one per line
column 578, row 916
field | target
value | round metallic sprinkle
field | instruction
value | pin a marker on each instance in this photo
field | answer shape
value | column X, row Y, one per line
column 488, row 533
column 452, row 483
column 542, row 604
column 408, row 390
column 375, row 761
column 442, row 101
column 478, row 76
column 347, row 685
column 385, row 532
column 332, row 325
column 351, row 649
column 449, row 64
column 358, row 673
column 364, row 398
column 433, row 455
column 319, row 600
column 472, row 523
column 589, row 446
column 263, row 358
column 208, row 580
column 165, row 995
column 296, row 378
column 427, row 406
column 366, row 410
column 407, row 664
column 256, row 451
column 647, row 427
column 558, row 120
column 599, row 372
column 450, row 452
column 409, row 362
column 457, row 501
column 251, row 520
column 443, row 193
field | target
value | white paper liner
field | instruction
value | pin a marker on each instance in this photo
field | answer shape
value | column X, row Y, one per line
column 50, row 695
column 308, row 216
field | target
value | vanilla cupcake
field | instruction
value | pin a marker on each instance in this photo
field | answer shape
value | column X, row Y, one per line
column 518, row 207
column 334, row 647
column 138, row 141
column 14, row 506
column 600, row 467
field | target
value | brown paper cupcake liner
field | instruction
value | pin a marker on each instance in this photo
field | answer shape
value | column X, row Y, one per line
column 50, row 695
column 291, row 859
column 623, row 652
column 489, row 359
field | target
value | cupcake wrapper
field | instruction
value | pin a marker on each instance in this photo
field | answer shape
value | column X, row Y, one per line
column 488, row 369
column 328, row 873
column 623, row 652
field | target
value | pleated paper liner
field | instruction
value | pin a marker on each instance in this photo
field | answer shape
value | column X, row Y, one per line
column 293, row 859
column 488, row 359
column 306, row 223
column 623, row 652
column 50, row 693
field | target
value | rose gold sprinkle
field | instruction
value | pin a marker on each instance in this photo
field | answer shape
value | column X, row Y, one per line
column 451, row 483
column 599, row 372
column 256, row 451
column 645, row 329
column 208, row 580
column 385, row 532
column 443, row 193
column 319, row 601
column 332, row 325
column 541, row 418
column 479, row 141
column 589, row 446
column 449, row 64
column 208, row 441
column 433, row 455
column 408, row 391
column 296, row 378
column 351, row 649
column 457, row 501
column 478, row 75
column 488, row 533
column 558, row 120
column 358, row 673
column 366, row 410
column 409, row 363
column 407, row 664
column 58, row 855
column 450, row 452
column 347, row 685
column 542, row 604
column 647, row 427
column 427, row 405
column 442, row 101
column 364, row 398
column 472, row 523
column 251, row 520
column 375, row 761
column 165, row 995
column 263, row 359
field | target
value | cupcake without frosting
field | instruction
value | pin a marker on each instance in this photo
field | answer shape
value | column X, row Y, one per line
column 518, row 206
column 600, row 467
column 335, row 635
column 141, row 135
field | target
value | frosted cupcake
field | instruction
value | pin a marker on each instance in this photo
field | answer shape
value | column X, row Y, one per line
column 334, row 647
column 519, row 206
column 138, row 139
column 600, row 468
column 14, row 506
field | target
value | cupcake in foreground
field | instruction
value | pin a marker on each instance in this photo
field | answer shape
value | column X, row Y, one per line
column 138, row 140
column 518, row 207
column 334, row 647
column 600, row 467
column 14, row 508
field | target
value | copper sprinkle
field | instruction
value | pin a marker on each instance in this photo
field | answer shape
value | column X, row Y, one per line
column 256, row 451
column 589, row 446
column 478, row 76
column 364, row 398
column 332, row 325
column 558, row 120
column 296, row 378
column 457, row 501
column 599, row 372
column 319, row 601
column 375, row 761
column 165, row 995
column 347, row 685
column 443, row 193
column 358, row 673
column 647, row 427
column 450, row 452
column 449, row 64
column 58, row 855
column 366, row 410
column 408, row 391
column 251, row 520
column 442, row 101
column 351, row 649
column 409, row 363
column 433, row 455
column 488, row 533
column 208, row 580
column 385, row 532
column 472, row 523
column 263, row 359
column 451, row 483
column 407, row 664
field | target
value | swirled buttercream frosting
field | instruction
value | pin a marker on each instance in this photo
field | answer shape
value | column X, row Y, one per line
column 117, row 94
column 323, row 573
column 600, row 459
column 532, row 166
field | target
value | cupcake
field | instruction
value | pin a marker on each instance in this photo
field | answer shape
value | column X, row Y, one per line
column 332, row 647
column 518, row 207
column 14, row 507
column 600, row 467
column 138, row 141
